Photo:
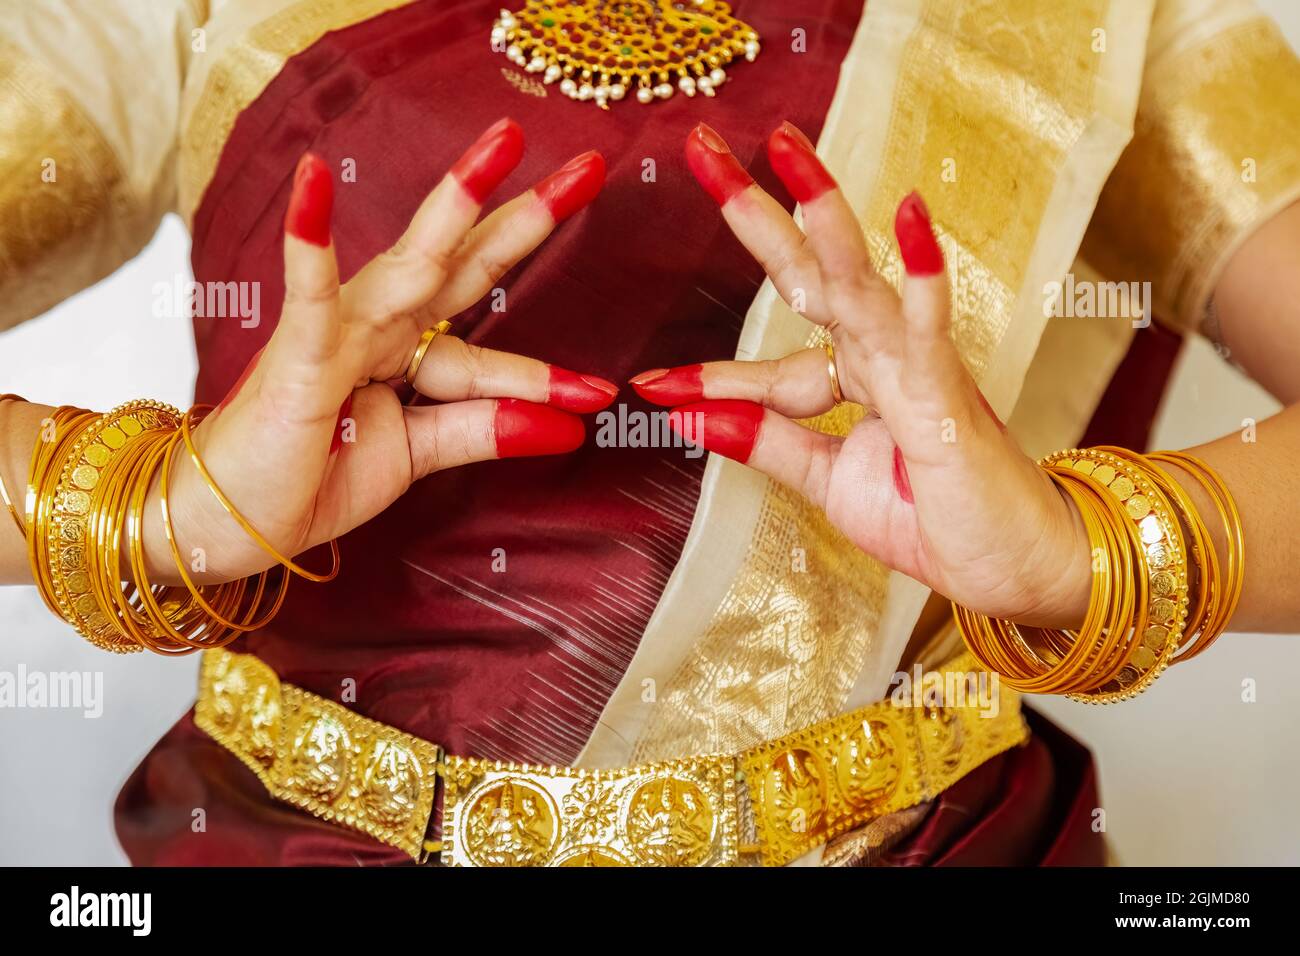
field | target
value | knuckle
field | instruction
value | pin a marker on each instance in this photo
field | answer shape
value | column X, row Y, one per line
column 299, row 294
column 471, row 363
column 492, row 267
column 405, row 252
column 769, row 379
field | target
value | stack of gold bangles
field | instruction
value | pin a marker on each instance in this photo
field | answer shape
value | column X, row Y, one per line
column 1159, row 591
column 83, row 521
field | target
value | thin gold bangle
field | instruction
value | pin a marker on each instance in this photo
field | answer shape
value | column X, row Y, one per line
column 241, row 520
column 195, row 592
column 4, row 491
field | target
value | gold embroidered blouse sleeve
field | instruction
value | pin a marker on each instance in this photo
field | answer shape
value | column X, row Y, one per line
column 89, row 95
column 1215, row 154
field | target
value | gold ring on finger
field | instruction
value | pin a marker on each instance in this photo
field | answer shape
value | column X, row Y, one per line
column 421, row 348
column 836, row 393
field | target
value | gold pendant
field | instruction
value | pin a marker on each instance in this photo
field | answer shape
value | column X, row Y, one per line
column 600, row 50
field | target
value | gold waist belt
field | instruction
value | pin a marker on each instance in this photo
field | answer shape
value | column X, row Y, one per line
column 775, row 801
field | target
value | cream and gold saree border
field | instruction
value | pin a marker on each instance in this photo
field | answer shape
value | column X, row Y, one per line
column 249, row 43
column 801, row 625
column 1218, row 117
column 748, row 693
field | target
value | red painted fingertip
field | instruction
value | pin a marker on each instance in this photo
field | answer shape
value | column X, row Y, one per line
column 901, row 482
column 916, row 240
column 579, row 393
column 573, row 185
column 312, row 201
column 795, row 160
column 523, row 429
column 671, row 386
column 345, row 412
column 712, row 162
column 726, row 426
column 491, row 158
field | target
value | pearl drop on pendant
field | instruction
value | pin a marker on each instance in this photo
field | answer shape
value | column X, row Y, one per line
column 718, row 75
column 664, row 90
column 568, row 87
column 686, row 85
column 644, row 94
column 536, row 65
column 552, row 73
column 617, row 92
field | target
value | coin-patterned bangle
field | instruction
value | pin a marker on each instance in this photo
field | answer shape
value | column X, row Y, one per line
column 1163, row 560
column 71, row 518
column 1223, row 595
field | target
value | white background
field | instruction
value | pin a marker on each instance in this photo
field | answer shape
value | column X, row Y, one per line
column 1189, row 772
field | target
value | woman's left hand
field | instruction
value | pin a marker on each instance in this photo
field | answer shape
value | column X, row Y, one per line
column 929, row 482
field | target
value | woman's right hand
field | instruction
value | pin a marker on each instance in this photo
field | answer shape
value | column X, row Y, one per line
column 314, row 439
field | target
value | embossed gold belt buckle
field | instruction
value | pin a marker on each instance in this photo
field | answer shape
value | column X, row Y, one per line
column 676, row 813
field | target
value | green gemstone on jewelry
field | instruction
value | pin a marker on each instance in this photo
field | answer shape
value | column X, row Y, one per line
column 548, row 21
column 626, row 51
column 706, row 29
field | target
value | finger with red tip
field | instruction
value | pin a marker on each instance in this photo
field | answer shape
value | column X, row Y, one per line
column 573, row 186
column 522, row 429
column 795, row 161
column 390, row 287
column 312, row 201
column 726, row 426
column 713, row 164
column 916, row 240
column 455, row 371
column 763, row 439
column 485, row 164
column 671, row 386
column 796, row 385
column 579, row 393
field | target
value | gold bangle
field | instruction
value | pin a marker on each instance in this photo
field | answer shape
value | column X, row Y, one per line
column 239, row 627
column 1224, row 596
column 4, row 491
column 421, row 347
column 77, row 529
column 88, row 486
column 231, row 510
column 1138, row 602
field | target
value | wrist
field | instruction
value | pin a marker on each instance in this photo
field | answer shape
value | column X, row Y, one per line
column 1067, row 571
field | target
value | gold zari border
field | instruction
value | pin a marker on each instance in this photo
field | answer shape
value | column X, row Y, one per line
column 1214, row 120
column 56, row 235
column 805, row 788
column 318, row 755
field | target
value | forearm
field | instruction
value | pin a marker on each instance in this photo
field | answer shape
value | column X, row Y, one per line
column 1257, row 304
column 1258, row 465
